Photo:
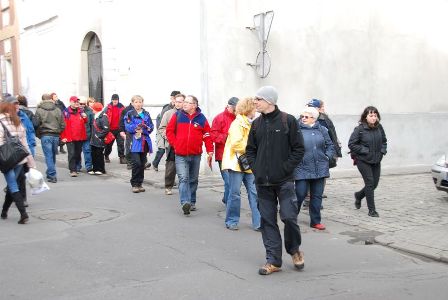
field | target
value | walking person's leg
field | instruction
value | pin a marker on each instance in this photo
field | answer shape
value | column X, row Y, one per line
column 47, row 149
column 316, row 191
column 248, row 180
column 195, row 163
column 87, row 155
column 367, row 175
column 233, row 205
column 71, row 156
column 183, row 172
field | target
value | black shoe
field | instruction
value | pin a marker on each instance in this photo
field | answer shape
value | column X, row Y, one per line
column 373, row 213
column 25, row 203
column 306, row 203
column 186, row 208
column 129, row 167
column 4, row 215
column 148, row 166
column 23, row 219
column 357, row 201
column 123, row 161
column 52, row 179
column 61, row 150
column 107, row 159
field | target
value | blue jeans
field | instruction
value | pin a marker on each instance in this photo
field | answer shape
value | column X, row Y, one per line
column 187, row 169
column 87, row 156
column 233, row 205
column 225, row 177
column 50, row 148
column 316, row 191
column 11, row 178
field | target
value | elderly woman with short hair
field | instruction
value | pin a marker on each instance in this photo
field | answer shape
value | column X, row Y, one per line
column 314, row 167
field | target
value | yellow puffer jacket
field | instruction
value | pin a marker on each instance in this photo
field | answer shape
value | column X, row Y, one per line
column 236, row 143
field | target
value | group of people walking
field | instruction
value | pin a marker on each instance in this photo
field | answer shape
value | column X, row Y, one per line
column 280, row 159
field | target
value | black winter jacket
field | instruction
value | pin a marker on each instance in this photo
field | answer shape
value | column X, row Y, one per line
column 368, row 144
column 273, row 149
column 100, row 128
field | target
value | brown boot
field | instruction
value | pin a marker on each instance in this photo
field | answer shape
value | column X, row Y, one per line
column 268, row 269
column 298, row 260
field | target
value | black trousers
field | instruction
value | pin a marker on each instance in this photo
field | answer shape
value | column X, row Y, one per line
column 371, row 176
column 120, row 144
column 98, row 159
column 268, row 199
column 138, row 168
column 74, row 150
column 19, row 200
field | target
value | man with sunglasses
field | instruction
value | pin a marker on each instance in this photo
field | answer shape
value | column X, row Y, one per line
column 274, row 149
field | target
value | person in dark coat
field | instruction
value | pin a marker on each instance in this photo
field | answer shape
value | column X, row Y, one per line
column 274, row 148
column 59, row 104
column 99, row 129
column 126, row 136
column 314, row 167
column 368, row 145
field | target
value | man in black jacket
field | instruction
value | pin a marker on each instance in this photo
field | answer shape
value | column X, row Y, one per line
column 126, row 136
column 274, row 148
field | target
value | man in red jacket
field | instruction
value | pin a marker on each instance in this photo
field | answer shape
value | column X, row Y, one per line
column 219, row 132
column 187, row 130
column 113, row 112
column 74, row 133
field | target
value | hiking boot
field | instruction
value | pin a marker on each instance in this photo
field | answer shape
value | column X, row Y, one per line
column 357, row 201
column 73, row 174
column 135, row 189
column 123, row 161
column 52, row 179
column 186, row 208
column 168, row 192
column 318, row 226
column 141, row 189
column 268, row 269
column 23, row 219
column 373, row 213
column 106, row 159
column 193, row 207
column 298, row 260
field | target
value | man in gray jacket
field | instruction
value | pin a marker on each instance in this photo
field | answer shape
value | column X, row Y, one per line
column 49, row 123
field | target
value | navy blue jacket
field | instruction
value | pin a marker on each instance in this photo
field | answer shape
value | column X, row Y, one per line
column 318, row 149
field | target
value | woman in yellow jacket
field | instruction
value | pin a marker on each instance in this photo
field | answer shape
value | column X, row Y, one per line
column 236, row 146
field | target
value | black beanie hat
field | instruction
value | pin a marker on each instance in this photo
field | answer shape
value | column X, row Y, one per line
column 115, row 97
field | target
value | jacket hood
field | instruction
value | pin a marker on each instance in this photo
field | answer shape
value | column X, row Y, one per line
column 47, row 105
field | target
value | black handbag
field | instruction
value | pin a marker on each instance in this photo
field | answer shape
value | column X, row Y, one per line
column 12, row 152
column 243, row 162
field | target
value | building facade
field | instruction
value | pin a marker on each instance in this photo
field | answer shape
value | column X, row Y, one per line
column 351, row 53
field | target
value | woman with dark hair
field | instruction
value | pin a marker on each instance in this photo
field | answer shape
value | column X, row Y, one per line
column 10, row 122
column 368, row 145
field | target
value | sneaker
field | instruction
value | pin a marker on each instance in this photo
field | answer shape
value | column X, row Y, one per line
column 298, row 260
column 193, row 207
column 168, row 192
column 73, row 174
column 268, row 269
column 373, row 213
column 91, row 172
column 186, row 208
column 98, row 173
column 107, row 159
column 357, row 201
column 232, row 227
column 135, row 189
column 318, row 226
column 148, row 166
column 141, row 189
column 52, row 179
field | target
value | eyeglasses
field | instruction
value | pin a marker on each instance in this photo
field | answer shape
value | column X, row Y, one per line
column 307, row 117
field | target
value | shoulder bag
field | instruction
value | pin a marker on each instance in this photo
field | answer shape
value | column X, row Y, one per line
column 12, row 152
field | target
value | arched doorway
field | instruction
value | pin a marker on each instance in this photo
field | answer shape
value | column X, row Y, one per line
column 93, row 54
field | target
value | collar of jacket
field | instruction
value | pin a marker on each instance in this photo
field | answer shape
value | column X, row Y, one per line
column 243, row 120
column 228, row 113
column 272, row 114
column 192, row 116
column 119, row 105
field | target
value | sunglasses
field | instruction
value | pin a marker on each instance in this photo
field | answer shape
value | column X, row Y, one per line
column 307, row 117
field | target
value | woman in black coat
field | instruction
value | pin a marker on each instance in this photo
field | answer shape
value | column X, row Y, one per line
column 368, row 145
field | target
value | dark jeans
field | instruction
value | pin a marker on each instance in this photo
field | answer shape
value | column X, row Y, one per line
column 138, row 168
column 225, row 176
column 98, row 159
column 316, row 187
column 371, row 176
column 74, row 154
column 170, row 174
column 120, row 144
column 268, row 199
column 21, row 184
column 160, row 152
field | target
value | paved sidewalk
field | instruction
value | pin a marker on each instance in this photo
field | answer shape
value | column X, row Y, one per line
column 413, row 214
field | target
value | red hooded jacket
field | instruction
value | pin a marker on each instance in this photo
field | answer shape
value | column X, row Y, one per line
column 75, row 129
column 220, row 130
column 187, row 132
column 113, row 114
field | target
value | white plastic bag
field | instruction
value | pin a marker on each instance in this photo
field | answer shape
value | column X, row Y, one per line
column 36, row 181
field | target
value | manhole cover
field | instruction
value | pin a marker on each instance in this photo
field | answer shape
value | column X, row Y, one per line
column 65, row 216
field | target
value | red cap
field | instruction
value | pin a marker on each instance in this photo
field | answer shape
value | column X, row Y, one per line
column 74, row 99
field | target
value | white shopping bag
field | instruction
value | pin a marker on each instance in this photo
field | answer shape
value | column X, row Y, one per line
column 36, row 181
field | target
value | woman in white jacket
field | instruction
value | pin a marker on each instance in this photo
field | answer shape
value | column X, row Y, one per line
column 236, row 146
